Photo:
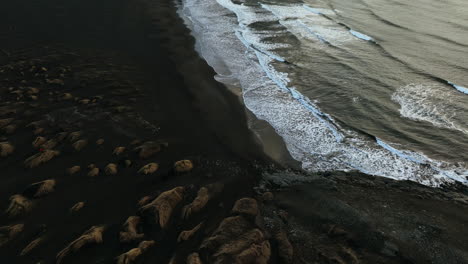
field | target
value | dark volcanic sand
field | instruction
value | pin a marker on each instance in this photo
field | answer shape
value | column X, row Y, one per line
column 134, row 61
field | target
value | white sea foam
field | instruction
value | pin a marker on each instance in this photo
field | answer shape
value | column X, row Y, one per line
column 235, row 48
column 459, row 88
column 433, row 103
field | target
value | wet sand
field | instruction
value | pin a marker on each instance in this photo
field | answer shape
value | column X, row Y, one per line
column 112, row 86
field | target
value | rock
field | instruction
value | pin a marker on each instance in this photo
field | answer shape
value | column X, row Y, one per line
column 118, row 150
column 132, row 255
column 186, row 235
column 128, row 163
column 130, row 233
column 55, row 82
column 19, row 205
column 66, row 96
column 111, row 169
column 10, row 129
column 247, row 206
column 163, row 206
column 91, row 166
column 203, row 196
column 93, row 172
column 149, row 168
column 39, row 141
column 149, row 148
column 74, row 136
column 235, row 241
column 31, row 246
column 78, row 206
column 194, row 258
column 32, row 91
column 285, row 248
column 84, row 101
column 33, row 97
column 80, row 144
column 6, row 149
column 5, row 122
column 183, row 166
column 268, row 196
column 8, row 233
column 92, row 236
column 145, row 200
column 73, row 170
column 41, row 189
column 40, row 158
column 100, row 141
column 38, row 131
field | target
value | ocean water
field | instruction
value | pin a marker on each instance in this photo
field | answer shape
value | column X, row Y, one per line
column 377, row 86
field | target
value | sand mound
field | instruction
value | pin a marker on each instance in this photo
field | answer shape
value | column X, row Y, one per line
column 92, row 236
column 149, row 168
column 6, row 149
column 41, row 157
column 130, row 228
column 163, row 206
column 19, row 205
column 132, row 255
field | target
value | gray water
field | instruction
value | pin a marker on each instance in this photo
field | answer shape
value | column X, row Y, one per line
column 376, row 85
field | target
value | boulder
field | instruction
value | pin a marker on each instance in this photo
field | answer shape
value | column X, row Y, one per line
column 133, row 254
column 150, row 148
column 80, row 144
column 19, row 205
column 40, row 158
column 183, row 166
column 163, row 206
column 39, row 141
column 41, row 189
column 246, row 206
column 93, row 172
column 187, row 235
column 73, row 170
column 8, row 233
column 111, row 169
column 6, row 149
column 203, row 196
column 149, row 168
column 130, row 230
column 90, row 237
column 118, row 150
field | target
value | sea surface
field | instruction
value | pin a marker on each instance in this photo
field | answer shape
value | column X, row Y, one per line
column 379, row 86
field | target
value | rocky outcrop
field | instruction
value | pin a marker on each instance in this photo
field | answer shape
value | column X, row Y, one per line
column 130, row 230
column 92, row 236
column 133, row 254
column 162, row 207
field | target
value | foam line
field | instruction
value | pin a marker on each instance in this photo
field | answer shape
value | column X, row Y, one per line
column 360, row 35
column 459, row 88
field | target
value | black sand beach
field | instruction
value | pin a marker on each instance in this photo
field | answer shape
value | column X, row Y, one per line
column 117, row 85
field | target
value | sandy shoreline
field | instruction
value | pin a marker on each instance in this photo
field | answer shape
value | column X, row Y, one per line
column 126, row 72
